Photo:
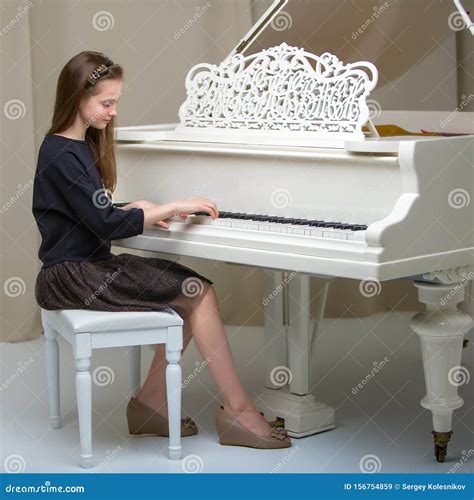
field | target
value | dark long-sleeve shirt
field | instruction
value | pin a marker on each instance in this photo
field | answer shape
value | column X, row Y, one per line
column 75, row 217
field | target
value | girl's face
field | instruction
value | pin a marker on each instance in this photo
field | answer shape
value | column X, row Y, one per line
column 97, row 110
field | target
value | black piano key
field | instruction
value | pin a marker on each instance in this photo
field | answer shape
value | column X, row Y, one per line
column 289, row 220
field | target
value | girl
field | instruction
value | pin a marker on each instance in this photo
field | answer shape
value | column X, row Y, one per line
column 76, row 168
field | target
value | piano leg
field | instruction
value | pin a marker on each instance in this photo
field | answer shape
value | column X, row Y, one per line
column 288, row 341
column 441, row 329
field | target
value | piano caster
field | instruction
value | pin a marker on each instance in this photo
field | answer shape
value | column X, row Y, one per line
column 441, row 440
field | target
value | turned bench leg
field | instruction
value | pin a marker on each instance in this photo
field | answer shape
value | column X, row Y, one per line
column 174, row 346
column 52, row 370
column 82, row 357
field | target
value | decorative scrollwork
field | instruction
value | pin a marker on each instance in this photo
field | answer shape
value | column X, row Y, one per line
column 282, row 88
column 462, row 274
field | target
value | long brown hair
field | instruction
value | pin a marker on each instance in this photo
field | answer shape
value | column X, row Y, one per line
column 72, row 86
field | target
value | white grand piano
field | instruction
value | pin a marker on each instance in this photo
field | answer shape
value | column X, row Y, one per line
column 281, row 140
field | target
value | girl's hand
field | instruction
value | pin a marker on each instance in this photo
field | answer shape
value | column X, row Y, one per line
column 183, row 208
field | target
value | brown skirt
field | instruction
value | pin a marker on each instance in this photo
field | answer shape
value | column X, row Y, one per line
column 125, row 282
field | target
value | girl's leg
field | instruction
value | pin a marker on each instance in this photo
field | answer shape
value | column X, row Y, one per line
column 202, row 320
column 153, row 390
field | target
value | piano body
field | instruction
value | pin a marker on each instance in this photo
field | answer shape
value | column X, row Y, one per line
column 277, row 139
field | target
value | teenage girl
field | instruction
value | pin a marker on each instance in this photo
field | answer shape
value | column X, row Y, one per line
column 76, row 171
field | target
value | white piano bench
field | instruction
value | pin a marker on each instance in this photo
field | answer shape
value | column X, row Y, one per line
column 87, row 330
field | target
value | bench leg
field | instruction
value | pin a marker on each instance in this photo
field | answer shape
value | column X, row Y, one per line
column 52, row 370
column 173, row 394
column 84, row 409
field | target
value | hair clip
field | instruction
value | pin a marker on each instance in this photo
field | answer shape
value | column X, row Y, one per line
column 97, row 73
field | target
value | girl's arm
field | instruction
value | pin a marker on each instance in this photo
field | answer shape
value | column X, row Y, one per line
column 156, row 215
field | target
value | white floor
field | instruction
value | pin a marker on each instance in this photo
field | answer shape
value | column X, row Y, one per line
column 384, row 419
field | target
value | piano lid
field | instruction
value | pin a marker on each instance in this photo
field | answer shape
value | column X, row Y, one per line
column 268, row 18
column 393, row 35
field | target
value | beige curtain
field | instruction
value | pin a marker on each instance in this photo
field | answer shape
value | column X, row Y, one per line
column 18, row 236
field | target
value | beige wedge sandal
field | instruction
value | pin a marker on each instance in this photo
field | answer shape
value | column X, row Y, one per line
column 144, row 420
column 232, row 433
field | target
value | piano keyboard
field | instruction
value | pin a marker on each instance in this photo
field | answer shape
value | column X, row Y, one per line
column 277, row 224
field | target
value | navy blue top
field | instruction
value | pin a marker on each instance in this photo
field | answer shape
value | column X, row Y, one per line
column 74, row 215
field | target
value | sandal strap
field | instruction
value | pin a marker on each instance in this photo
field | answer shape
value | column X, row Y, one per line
column 279, row 433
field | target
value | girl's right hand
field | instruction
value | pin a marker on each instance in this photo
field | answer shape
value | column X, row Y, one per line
column 183, row 208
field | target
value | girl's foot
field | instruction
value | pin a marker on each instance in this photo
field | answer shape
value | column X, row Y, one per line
column 251, row 419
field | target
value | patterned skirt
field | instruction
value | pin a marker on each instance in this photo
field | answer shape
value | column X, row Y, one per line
column 124, row 282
